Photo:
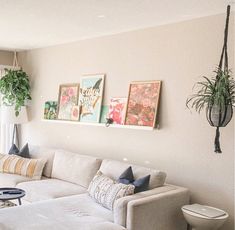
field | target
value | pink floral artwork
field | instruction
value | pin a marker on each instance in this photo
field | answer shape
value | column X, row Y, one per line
column 142, row 103
column 117, row 110
column 75, row 113
column 68, row 98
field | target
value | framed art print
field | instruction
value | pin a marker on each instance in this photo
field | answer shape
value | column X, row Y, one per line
column 90, row 97
column 75, row 113
column 50, row 110
column 104, row 113
column 68, row 98
column 117, row 110
column 142, row 103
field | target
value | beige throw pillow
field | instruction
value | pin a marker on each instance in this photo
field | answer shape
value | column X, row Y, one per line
column 21, row 166
column 106, row 191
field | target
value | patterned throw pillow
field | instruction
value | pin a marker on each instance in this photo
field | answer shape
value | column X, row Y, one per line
column 22, row 166
column 106, row 191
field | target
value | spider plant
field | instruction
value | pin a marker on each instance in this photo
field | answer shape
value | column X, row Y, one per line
column 216, row 92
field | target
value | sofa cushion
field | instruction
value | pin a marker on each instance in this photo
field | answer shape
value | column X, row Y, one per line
column 75, row 168
column 43, row 153
column 11, row 180
column 78, row 212
column 48, row 189
column 106, row 191
column 21, row 166
column 114, row 169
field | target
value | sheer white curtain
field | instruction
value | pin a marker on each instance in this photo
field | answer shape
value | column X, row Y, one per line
column 6, row 130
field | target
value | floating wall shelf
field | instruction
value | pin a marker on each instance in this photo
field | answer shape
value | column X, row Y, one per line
column 99, row 124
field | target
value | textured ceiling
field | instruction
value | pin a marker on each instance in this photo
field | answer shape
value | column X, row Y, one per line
column 29, row 24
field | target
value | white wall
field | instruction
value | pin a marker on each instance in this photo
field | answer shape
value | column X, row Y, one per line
column 177, row 54
column 6, row 57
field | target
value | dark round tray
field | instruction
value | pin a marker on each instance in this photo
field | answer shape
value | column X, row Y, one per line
column 5, row 197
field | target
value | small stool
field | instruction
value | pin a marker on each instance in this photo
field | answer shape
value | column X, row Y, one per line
column 201, row 222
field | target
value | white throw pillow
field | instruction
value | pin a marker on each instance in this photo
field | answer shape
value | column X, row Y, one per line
column 106, row 191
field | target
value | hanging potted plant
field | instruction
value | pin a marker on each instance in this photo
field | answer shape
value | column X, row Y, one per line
column 216, row 95
column 15, row 89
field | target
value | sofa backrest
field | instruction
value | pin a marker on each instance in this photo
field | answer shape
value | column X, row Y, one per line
column 43, row 153
column 75, row 168
column 114, row 169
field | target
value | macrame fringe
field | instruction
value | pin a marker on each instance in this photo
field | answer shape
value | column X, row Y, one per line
column 15, row 60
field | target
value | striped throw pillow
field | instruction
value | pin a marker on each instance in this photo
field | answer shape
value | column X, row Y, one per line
column 21, row 166
column 106, row 191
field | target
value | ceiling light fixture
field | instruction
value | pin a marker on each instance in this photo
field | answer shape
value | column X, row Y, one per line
column 101, row 16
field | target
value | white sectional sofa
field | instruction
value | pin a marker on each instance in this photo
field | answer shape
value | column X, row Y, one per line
column 60, row 200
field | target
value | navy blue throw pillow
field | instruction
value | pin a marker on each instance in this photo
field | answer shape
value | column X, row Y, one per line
column 141, row 184
column 126, row 177
column 13, row 150
column 24, row 152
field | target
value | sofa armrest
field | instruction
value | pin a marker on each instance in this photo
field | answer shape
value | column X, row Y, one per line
column 120, row 205
column 158, row 212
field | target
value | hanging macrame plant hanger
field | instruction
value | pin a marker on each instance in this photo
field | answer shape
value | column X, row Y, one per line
column 15, row 136
column 15, row 62
column 216, row 115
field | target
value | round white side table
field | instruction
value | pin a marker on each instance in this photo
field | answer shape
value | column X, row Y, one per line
column 200, row 222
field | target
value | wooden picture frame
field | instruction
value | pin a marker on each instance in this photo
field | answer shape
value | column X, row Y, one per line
column 142, row 104
column 67, row 99
column 91, row 97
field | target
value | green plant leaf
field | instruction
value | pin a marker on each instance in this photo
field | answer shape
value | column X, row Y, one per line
column 219, row 91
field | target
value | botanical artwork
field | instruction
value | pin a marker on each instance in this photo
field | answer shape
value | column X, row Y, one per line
column 117, row 110
column 90, row 97
column 68, row 98
column 75, row 113
column 104, row 113
column 50, row 110
column 142, row 103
